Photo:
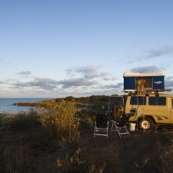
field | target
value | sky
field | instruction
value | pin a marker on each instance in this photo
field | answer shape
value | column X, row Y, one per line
column 79, row 48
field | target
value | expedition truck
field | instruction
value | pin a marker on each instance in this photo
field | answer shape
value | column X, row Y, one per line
column 149, row 110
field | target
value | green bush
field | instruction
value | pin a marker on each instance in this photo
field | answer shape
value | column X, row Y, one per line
column 59, row 120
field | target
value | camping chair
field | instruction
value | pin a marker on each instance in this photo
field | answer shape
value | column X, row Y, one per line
column 121, row 125
column 101, row 125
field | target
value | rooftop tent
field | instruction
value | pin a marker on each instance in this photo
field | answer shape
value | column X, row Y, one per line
column 143, row 81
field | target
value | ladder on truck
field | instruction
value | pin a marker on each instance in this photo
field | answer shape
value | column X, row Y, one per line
column 139, row 111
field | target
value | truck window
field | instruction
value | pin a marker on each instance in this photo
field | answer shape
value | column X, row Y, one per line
column 118, row 100
column 157, row 101
column 135, row 100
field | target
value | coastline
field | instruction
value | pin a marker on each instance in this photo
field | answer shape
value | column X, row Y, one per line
column 8, row 104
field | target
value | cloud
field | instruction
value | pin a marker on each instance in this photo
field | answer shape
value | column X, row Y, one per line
column 169, row 78
column 146, row 69
column 43, row 83
column 24, row 72
column 90, row 80
column 153, row 53
column 169, row 83
column 107, row 76
column 150, row 54
column 88, row 72
column 118, row 85
column 50, row 84
column 77, row 82
column 69, row 71
column 5, row 62
column 104, row 74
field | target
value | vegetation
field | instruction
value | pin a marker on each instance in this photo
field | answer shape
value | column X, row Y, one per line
column 89, row 100
column 92, row 161
column 61, row 130
column 16, row 159
column 25, row 104
column 59, row 120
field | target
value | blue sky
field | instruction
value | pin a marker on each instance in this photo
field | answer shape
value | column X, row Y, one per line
column 78, row 48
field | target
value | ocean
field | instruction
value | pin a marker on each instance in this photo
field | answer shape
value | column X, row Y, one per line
column 6, row 104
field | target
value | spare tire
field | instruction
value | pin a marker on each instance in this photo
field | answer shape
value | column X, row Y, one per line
column 116, row 111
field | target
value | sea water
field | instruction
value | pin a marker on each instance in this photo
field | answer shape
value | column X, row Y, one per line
column 6, row 104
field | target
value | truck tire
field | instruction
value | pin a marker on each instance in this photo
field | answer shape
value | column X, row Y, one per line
column 146, row 123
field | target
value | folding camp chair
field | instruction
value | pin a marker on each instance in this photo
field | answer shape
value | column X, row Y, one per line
column 121, row 125
column 101, row 125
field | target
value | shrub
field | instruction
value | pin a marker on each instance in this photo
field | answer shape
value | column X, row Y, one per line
column 1, row 120
column 32, row 117
column 91, row 161
column 102, row 160
column 71, row 163
column 96, row 106
column 16, row 159
column 59, row 120
column 23, row 121
column 86, row 119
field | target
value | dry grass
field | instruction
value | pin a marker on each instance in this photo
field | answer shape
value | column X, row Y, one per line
column 22, row 121
column 16, row 159
column 94, row 160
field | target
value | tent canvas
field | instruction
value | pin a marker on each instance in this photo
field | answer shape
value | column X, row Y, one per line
column 145, row 81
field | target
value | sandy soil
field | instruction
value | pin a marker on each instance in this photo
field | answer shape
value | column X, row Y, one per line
column 138, row 152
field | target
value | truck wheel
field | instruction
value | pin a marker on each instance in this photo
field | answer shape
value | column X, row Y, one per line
column 146, row 123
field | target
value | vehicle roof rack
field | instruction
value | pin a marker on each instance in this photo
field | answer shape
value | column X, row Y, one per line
column 148, row 91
